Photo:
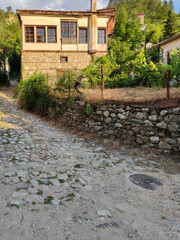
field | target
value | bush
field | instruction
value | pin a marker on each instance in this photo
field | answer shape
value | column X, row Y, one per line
column 15, row 64
column 4, row 80
column 34, row 94
column 68, row 83
column 89, row 109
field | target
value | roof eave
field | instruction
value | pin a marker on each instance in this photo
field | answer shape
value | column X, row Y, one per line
column 102, row 12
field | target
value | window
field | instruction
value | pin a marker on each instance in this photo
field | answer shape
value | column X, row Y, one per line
column 29, row 34
column 101, row 36
column 83, row 35
column 69, row 29
column 41, row 35
column 52, row 37
column 64, row 59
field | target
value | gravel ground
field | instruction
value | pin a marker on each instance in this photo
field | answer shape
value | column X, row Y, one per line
column 56, row 185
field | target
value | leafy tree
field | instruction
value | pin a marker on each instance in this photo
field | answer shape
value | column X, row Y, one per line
column 93, row 71
column 154, row 33
column 128, row 29
column 7, row 42
column 171, row 5
column 68, row 82
column 146, row 71
column 169, row 27
column 10, row 39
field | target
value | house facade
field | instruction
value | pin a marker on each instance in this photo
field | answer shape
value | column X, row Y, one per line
column 56, row 41
column 168, row 45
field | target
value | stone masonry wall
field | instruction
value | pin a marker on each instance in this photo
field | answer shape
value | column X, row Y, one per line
column 49, row 62
column 146, row 127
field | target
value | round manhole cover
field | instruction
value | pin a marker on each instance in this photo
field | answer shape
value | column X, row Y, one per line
column 145, row 181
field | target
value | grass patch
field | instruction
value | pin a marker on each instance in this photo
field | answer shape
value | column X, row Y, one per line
column 79, row 166
column 12, row 205
column 48, row 200
column 40, row 192
column 61, row 180
column 118, row 162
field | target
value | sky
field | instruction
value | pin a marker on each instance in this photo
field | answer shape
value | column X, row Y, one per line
column 60, row 4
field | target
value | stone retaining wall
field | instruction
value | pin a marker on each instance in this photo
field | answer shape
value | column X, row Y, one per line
column 146, row 127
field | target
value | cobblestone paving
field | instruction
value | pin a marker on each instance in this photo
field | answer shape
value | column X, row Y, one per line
column 55, row 185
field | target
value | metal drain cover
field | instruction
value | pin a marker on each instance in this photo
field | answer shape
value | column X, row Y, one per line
column 145, row 181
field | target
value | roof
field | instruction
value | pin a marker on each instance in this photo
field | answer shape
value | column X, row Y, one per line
column 167, row 41
column 101, row 12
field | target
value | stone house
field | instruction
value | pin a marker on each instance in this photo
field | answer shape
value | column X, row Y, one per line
column 56, row 41
column 168, row 45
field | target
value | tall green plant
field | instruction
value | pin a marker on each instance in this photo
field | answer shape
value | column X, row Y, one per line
column 69, row 82
column 34, row 94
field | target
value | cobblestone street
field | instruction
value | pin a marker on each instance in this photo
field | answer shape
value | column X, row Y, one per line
column 57, row 186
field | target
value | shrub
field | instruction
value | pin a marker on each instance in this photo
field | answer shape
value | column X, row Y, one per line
column 34, row 94
column 68, row 83
column 4, row 80
column 89, row 109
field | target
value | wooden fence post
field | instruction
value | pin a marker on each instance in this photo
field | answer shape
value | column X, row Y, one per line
column 168, row 76
column 102, row 82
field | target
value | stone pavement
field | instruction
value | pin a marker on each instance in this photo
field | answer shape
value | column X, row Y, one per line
column 55, row 185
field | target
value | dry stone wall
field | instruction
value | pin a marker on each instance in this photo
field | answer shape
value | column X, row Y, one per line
column 146, row 127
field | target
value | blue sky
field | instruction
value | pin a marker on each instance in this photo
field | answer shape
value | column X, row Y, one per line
column 177, row 5
column 60, row 4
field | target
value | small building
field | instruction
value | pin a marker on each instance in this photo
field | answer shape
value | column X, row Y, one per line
column 168, row 45
column 56, row 41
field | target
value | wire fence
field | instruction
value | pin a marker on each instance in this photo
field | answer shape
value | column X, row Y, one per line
column 169, row 90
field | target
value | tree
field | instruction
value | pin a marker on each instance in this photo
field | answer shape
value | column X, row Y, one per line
column 128, row 29
column 7, row 42
column 10, row 39
column 154, row 33
column 169, row 27
column 171, row 5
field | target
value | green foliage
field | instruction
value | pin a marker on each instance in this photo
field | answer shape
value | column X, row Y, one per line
column 169, row 27
column 153, row 54
column 10, row 33
column 156, row 13
column 128, row 29
column 146, row 72
column 67, row 83
column 154, row 33
column 174, row 66
column 4, row 80
column 15, row 64
column 93, row 71
column 34, row 94
column 89, row 109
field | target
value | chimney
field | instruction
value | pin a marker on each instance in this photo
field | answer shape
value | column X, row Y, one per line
column 93, row 6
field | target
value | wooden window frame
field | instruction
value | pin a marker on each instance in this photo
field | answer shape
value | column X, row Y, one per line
column 83, row 28
column 68, row 30
column 55, row 27
column 29, row 26
column 41, row 34
column 105, row 36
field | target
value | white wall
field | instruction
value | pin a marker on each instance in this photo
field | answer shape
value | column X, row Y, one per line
column 169, row 47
